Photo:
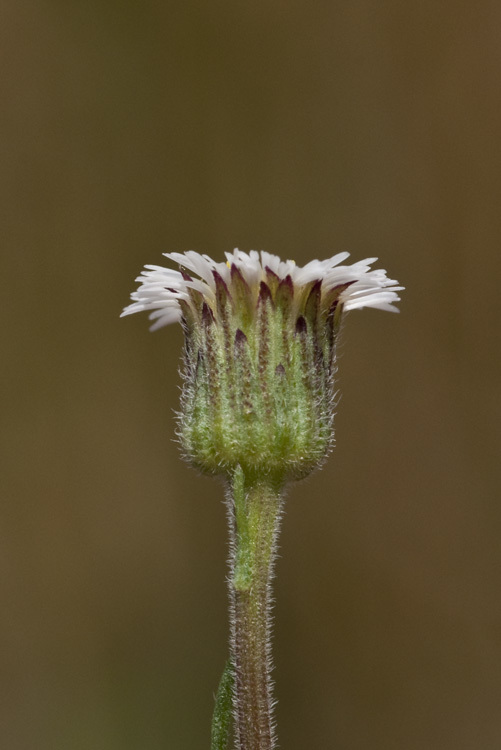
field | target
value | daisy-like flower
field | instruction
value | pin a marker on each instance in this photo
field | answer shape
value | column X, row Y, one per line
column 260, row 352
column 163, row 289
column 256, row 407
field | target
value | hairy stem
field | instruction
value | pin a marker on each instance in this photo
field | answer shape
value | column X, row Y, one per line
column 254, row 511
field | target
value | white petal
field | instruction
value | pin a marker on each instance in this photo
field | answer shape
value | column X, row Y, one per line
column 160, row 289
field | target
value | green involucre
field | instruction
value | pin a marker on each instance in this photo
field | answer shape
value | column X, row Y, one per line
column 259, row 378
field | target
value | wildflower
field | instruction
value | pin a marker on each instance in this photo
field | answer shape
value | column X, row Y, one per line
column 260, row 348
column 257, row 408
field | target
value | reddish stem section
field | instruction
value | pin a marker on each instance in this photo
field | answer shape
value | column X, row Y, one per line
column 255, row 509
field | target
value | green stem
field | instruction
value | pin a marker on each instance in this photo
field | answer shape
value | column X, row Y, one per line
column 254, row 509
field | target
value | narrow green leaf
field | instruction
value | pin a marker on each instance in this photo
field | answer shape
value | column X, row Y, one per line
column 223, row 708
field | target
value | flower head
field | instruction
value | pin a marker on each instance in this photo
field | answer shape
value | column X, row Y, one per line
column 163, row 290
column 260, row 352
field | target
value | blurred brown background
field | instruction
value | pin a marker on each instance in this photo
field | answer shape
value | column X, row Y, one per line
column 302, row 128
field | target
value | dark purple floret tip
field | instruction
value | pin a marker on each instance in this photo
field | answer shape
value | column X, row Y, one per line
column 301, row 325
column 240, row 337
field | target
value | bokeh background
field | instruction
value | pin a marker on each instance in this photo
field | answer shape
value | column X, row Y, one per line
column 129, row 129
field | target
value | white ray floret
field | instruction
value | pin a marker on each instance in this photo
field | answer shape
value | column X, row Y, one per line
column 160, row 288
